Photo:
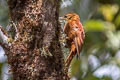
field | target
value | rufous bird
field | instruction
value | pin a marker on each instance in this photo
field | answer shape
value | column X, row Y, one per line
column 74, row 36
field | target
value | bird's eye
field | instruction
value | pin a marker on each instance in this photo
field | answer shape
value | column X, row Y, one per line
column 65, row 16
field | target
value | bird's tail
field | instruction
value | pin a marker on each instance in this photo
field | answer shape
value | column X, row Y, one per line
column 69, row 58
column 78, row 44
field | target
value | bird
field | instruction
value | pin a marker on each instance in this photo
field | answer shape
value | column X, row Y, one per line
column 75, row 35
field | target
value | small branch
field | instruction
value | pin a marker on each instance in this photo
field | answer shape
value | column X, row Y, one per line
column 3, row 36
column 13, row 28
column 5, row 46
column 116, row 15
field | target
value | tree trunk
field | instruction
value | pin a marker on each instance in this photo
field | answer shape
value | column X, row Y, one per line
column 36, row 53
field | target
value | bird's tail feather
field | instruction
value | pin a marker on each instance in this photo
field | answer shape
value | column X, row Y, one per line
column 77, row 42
column 69, row 59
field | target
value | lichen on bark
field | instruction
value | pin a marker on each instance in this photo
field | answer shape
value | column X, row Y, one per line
column 37, row 30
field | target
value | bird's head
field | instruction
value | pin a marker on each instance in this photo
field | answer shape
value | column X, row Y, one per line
column 70, row 16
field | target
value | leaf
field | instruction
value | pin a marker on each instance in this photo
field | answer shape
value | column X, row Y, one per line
column 94, row 25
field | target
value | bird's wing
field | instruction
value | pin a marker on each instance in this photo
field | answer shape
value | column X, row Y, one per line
column 79, row 37
column 66, row 27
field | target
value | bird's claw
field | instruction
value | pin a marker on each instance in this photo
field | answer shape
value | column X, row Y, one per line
column 63, row 40
column 9, row 40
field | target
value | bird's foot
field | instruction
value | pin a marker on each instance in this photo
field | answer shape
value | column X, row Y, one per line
column 63, row 40
column 10, row 40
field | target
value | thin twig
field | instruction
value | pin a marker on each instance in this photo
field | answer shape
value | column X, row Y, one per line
column 6, row 47
column 116, row 15
column 3, row 36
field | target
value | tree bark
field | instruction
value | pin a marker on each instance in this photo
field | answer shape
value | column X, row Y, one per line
column 36, row 53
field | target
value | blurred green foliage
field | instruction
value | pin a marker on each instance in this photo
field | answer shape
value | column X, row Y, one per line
column 101, row 21
column 3, row 13
column 4, row 18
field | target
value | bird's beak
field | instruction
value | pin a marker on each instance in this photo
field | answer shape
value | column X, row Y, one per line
column 61, row 19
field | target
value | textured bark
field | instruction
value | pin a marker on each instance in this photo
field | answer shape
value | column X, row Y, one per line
column 38, row 31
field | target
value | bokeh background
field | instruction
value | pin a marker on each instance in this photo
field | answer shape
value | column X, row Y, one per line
column 100, row 57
